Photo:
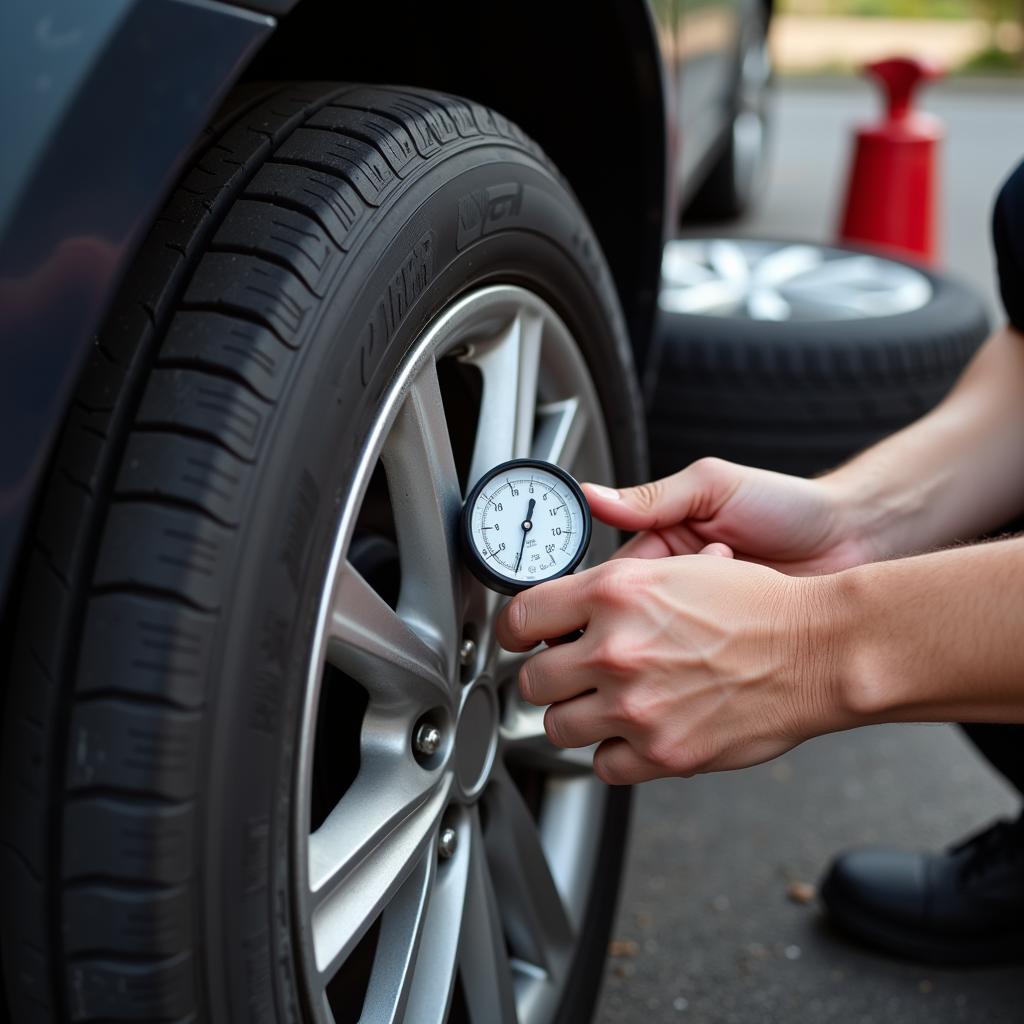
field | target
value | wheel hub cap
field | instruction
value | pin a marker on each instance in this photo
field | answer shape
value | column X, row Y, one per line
column 476, row 739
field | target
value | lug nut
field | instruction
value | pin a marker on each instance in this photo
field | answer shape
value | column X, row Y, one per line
column 427, row 739
column 467, row 651
column 447, row 842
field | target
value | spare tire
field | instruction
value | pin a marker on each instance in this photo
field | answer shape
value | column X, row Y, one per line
column 793, row 356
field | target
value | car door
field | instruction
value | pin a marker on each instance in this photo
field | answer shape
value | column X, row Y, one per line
column 706, row 34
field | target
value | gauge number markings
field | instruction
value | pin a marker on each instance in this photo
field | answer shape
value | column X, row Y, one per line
column 559, row 528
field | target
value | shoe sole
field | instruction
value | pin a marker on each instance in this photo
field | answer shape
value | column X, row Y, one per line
column 925, row 947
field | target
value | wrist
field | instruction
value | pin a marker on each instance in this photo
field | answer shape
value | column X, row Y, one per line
column 894, row 505
column 860, row 681
column 851, row 517
column 835, row 660
column 876, row 516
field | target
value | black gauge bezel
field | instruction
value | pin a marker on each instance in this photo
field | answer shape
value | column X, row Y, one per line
column 471, row 556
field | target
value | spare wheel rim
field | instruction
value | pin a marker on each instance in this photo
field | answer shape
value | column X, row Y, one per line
column 748, row 279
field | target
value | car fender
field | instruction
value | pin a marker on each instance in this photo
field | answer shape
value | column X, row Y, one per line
column 105, row 111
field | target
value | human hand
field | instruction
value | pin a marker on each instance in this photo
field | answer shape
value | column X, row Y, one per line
column 800, row 527
column 686, row 665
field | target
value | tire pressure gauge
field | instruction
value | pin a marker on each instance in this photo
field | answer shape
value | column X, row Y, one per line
column 525, row 522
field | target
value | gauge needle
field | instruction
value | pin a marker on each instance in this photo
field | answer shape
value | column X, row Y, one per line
column 527, row 527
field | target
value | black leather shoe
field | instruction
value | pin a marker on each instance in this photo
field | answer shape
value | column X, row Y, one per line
column 965, row 906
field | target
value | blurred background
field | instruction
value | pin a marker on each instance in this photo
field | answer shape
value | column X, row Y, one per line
column 818, row 48
column 969, row 37
column 718, row 920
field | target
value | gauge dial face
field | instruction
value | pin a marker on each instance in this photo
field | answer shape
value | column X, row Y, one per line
column 525, row 522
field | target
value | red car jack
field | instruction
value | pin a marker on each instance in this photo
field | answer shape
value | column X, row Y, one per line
column 892, row 192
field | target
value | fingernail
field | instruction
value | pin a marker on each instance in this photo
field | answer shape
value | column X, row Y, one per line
column 608, row 493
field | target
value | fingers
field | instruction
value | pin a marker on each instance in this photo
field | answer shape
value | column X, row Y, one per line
column 676, row 540
column 618, row 764
column 576, row 723
column 546, row 610
column 693, row 493
column 648, row 544
column 552, row 675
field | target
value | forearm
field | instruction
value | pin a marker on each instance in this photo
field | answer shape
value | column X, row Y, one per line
column 934, row 638
column 955, row 473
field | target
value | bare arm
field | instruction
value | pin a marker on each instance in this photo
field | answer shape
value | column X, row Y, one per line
column 952, row 475
column 934, row 638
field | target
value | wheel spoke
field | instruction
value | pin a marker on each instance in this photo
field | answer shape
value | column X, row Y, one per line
column 403, row 925
column 785, row 264
column 707, row 297
column 679, row 266
column 849, row 270
column 851, row 303
column 536, row 923
column 728, row 260
column 767, row 304
column 483, row 957
column 463, row 926
column 366, row 849
column 525, row 743
column 560, row 429
column 433, row 979
column 370, row 642
column 509, row 366
column 862, row 300
column 426, row 500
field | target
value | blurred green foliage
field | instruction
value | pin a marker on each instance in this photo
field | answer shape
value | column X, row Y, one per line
column 989, row 10
column 993, row 60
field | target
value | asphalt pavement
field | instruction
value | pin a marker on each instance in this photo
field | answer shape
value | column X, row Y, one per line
column 712, row 925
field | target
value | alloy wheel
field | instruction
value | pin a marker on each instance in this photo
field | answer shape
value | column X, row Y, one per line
column 783, row 281
column 443, row 849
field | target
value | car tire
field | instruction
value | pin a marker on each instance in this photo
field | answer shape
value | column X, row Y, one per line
column 794, row 357
column 737, row 178
column 241, row 604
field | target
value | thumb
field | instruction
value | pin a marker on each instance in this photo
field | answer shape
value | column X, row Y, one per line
column 693, row 493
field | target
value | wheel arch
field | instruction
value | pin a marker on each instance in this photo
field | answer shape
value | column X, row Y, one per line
column 576, row 83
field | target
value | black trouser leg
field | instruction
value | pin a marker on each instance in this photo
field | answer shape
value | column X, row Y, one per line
column 1003, row 746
